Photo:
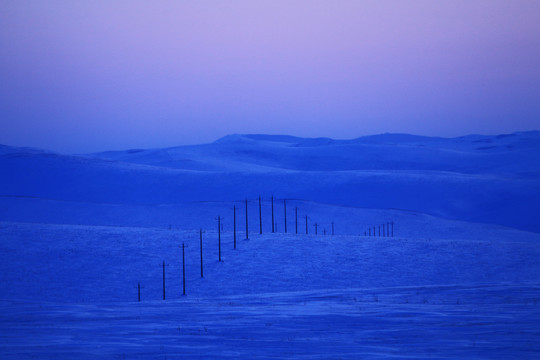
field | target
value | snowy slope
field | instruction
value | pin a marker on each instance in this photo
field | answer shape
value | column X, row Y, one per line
column 454, row 322
column 71, row 291
column 73, row 263
column 515, row 154
column 482, row 179
column 459, row 278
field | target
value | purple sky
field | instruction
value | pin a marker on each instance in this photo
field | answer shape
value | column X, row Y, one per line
column 81, row 76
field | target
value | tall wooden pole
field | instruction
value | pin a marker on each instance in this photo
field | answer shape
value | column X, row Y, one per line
column 296, row 218
column 234, row 226
column 163, row 280
column 219, row 237
column 183, row 271
column 260, row 216
column 273, row 213
column 285, row 212
column 247, row 237
column 200, row 240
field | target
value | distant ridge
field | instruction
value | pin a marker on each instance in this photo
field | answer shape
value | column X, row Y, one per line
column 377, row 138
column 259, row 137
column 383, row 138
column 6, row 149
column 492, row 179
column 397, row 137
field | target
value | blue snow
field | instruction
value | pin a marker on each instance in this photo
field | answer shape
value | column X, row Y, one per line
column 460, row 278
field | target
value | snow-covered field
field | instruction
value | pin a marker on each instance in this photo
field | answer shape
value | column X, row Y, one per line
column 71, row 291
column 440, row 288
column 441, row 322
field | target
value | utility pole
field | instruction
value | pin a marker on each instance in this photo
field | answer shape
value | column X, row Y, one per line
column 219, row 237
column 164, row 280
column 296, row 218
column 183, row 270
column 260, row 216
column 272, row 213
column 247, row 237
column 200, row 240
column 285, row 209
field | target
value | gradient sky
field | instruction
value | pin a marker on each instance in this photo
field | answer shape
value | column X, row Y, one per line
column 81, row 76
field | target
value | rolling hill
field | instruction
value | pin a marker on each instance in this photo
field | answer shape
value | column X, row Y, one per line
column 488, row 179
column 457, row 276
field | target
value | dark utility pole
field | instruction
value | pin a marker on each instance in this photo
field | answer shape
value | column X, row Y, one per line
column 183, row 270
column 200, row 238
column 246, row 221
column 163, row 280
column 296, row 218
column 273, row 213
column 260, row 216
column 285, row 209
column 219, row 237
column 306, row 226
column 234, row 225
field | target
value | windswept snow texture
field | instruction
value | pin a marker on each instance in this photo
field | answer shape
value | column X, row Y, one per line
column 71, row 292
column 489, row 179
column 435, row 254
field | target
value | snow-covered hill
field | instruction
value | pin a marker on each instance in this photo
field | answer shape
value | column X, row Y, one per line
column 512, row 154
column 459, row 278
column 491, row 179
